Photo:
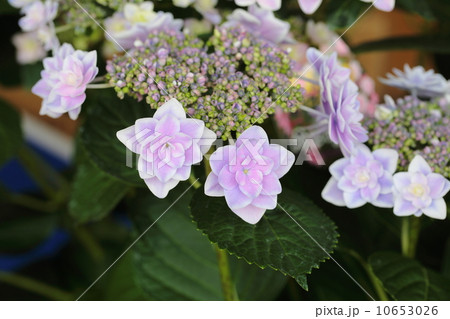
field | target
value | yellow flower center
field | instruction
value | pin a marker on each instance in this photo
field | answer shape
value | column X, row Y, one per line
column 417, row 190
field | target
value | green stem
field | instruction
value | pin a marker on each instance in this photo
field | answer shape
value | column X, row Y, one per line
column 90, row 244
column 410, row 235
column 194, row 181
column 229, row 291
column 99, row 86
column 35, row 286
column 63, row 28
column 50, row 181
column 373, row 279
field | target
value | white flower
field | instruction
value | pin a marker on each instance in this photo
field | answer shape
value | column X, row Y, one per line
column 38, row 14
column 20, row 3
column 28, row 48
column 272, row 5
column 420, row 191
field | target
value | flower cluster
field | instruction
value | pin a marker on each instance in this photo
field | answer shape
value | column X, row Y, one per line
column 412, row 127
column 230, row 83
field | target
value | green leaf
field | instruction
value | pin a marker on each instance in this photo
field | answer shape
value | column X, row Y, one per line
column 105, row 115
column 428, row 43
column 420, row 7
column 276, row 241
column 10, row 132
column 95, row 193
column 341, row 14
column 407, row 279
column 174, row 261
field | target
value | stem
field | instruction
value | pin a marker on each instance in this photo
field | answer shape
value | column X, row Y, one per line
column 312, row 111
column 229, row 291
column 194, row 181
column 410, row 235
column 49, row 181
column 308, row 80
column 90, row 244
column 374, row 280
column 63, row 28
column 35, row 286
column 99, row 86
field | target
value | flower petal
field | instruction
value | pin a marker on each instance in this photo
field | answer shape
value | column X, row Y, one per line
column 403, row 207
column 332, row 194
column 171, row 107
column 354, row 200
column 419, row 165
column 212, row 187
column 236, row 199
column 388, row 158
column 250, row 214
column 158, row 188
column 437, row 209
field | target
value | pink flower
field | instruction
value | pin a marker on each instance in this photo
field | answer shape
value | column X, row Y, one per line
column 168, row 145
column 272, row 5
column 261, row 23
column 64, row 81
column 420, row 191
column 247, row 174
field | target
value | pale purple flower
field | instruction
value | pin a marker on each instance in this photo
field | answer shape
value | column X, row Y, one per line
column 64, row 80
column 309, row 6
column 37, row 14
column 20, row 3
column 418, row 81
column 135, row 23
column 383, row 5
column 168, row 145
column 339, row 103
column 247, row 174
column 272, row 5
column 364, row 177
column 420, row 191
column 47, row 36
column 261, row 23
column 28, row 48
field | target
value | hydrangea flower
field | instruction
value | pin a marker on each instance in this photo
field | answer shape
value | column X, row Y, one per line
column 339, row 103
column 364, row 177
column 420, row 191
column 37, row 14
column 383, row 5
column 310, row 6
column 28, row 48
column 260, row 22
column 232, row 82
column 272, row 5
column 418, row 81
column 247, row 174
column 136, row 21
column 20, row 3
column 168, row 145
column 64, row 81
column 412, row 127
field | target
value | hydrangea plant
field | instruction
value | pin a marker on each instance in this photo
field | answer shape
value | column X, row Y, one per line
column 181, row 108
